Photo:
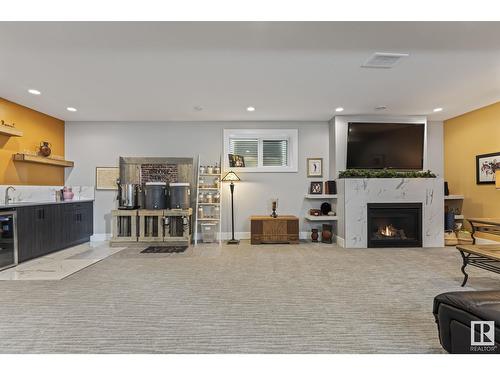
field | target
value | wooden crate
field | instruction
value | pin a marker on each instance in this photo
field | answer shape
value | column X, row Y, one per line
column 282, row 229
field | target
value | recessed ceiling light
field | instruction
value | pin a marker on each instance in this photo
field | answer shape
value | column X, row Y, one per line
column 439, row 109
column 339, row 109
column 34, row 92
column 71, row 109
column 250, row 109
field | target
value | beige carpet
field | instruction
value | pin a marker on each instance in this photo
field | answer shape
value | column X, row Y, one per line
column 308, row 298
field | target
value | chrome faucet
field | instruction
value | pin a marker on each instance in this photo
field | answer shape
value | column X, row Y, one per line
column 7, row 198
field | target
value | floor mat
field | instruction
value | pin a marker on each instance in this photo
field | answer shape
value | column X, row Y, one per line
column 165, row 249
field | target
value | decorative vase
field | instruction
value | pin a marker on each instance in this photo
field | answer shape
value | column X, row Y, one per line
column 45, row 149
column 326, row 234
column 314, row 235
column 68, row 194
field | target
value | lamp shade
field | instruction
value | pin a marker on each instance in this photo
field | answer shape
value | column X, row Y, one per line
column 231, row 177
column 497, row 179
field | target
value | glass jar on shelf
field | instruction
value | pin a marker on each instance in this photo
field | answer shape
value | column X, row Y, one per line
column 210, row 169
column 209, row 198
column 201, row 198
column 217, row 182
column 200, row 212
column 216, row 211
column 216, row 169
column 203, row 169
column 216, row 198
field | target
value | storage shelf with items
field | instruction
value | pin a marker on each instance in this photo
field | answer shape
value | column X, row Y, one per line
column 453, row 220
column 325, row 213
column 208, row 203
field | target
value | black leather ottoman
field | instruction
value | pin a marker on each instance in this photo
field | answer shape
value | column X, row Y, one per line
column 454, row 312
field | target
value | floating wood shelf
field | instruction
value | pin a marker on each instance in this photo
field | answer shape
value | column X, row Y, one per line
column 43, row 160
column 10, row 131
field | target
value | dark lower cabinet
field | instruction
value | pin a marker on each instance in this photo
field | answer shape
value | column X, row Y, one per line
column 46, row 228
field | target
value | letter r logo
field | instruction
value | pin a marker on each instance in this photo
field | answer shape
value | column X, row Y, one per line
column 482, row 333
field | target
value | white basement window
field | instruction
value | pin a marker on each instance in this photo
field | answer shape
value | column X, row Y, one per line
column 261, row 150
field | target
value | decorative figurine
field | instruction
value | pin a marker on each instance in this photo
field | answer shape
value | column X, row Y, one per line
column 274, row 205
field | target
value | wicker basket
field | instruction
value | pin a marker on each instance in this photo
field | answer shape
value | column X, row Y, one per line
column 464, row 237
column 450, row 239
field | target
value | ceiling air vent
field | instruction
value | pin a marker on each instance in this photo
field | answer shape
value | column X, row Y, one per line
column 383, row 60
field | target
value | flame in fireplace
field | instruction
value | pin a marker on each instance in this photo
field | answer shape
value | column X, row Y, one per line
column 388, row 231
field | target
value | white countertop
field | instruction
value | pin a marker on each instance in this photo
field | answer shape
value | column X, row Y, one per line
column 27, row 204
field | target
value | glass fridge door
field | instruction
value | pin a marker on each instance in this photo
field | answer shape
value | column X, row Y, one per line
column 8, row 240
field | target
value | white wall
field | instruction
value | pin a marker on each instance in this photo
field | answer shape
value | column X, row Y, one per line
column 93, row 144
column 433, row 148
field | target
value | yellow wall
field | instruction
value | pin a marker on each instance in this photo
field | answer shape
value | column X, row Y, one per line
column 36, row 127
column 465, row 136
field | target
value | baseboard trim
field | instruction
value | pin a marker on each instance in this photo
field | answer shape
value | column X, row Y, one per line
column 340, row 241
column 99, row 237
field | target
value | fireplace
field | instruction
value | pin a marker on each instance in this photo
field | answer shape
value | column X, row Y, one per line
column 394, row 224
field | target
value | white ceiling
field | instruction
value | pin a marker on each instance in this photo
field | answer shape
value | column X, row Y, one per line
column 159, row 71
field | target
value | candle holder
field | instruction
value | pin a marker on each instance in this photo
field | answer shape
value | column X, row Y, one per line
column 274, row 206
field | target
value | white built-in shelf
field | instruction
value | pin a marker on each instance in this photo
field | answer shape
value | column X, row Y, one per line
column 208, row 188
column 321, row 218
column 321, row 196
column 208, row 219
column 459, row 217
column 208, row 204
column 453, row 197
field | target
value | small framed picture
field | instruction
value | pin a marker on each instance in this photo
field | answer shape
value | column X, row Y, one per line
column 105, row 178
column 237, row 161
column 314, row 167
column 486, row 165
column 316, row 187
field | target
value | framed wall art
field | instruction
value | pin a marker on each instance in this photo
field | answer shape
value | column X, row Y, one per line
column 105, row 178
column 314, row 167
column 486, row 165
column 316, row 187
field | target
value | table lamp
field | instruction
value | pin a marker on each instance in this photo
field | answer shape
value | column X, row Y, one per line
column 232, row 177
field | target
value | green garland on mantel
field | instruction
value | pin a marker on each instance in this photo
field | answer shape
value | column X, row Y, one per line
column 384, row 173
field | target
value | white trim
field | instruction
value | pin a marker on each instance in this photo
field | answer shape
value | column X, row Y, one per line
column 98, row 237
column 340, row 241
column 292, row 135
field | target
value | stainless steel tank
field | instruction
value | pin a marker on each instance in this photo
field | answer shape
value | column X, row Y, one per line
column 127, row 195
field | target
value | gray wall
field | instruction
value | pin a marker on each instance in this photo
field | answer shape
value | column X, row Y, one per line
column 93, row 144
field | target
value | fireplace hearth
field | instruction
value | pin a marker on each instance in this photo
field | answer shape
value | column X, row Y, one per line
column 394, row 224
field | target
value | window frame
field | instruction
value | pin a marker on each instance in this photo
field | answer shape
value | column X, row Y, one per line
column 291, row 135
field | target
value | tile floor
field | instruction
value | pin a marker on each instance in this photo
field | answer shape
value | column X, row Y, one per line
column 58, row 265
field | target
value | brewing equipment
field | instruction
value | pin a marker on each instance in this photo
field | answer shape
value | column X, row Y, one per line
column 180, row 194
column 155, row 195
column 127, row 196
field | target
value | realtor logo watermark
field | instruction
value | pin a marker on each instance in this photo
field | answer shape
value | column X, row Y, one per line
column 482, row 336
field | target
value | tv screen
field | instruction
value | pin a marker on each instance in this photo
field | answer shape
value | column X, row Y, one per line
column 385, row 145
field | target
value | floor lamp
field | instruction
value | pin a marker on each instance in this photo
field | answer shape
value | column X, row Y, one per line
column 232, row 177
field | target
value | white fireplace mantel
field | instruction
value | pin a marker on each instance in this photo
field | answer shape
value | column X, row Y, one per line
column 354, row 194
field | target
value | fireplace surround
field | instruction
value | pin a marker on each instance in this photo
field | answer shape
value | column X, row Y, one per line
column 394, row 224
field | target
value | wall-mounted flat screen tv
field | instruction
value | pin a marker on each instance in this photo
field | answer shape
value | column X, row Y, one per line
column 378, row 145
